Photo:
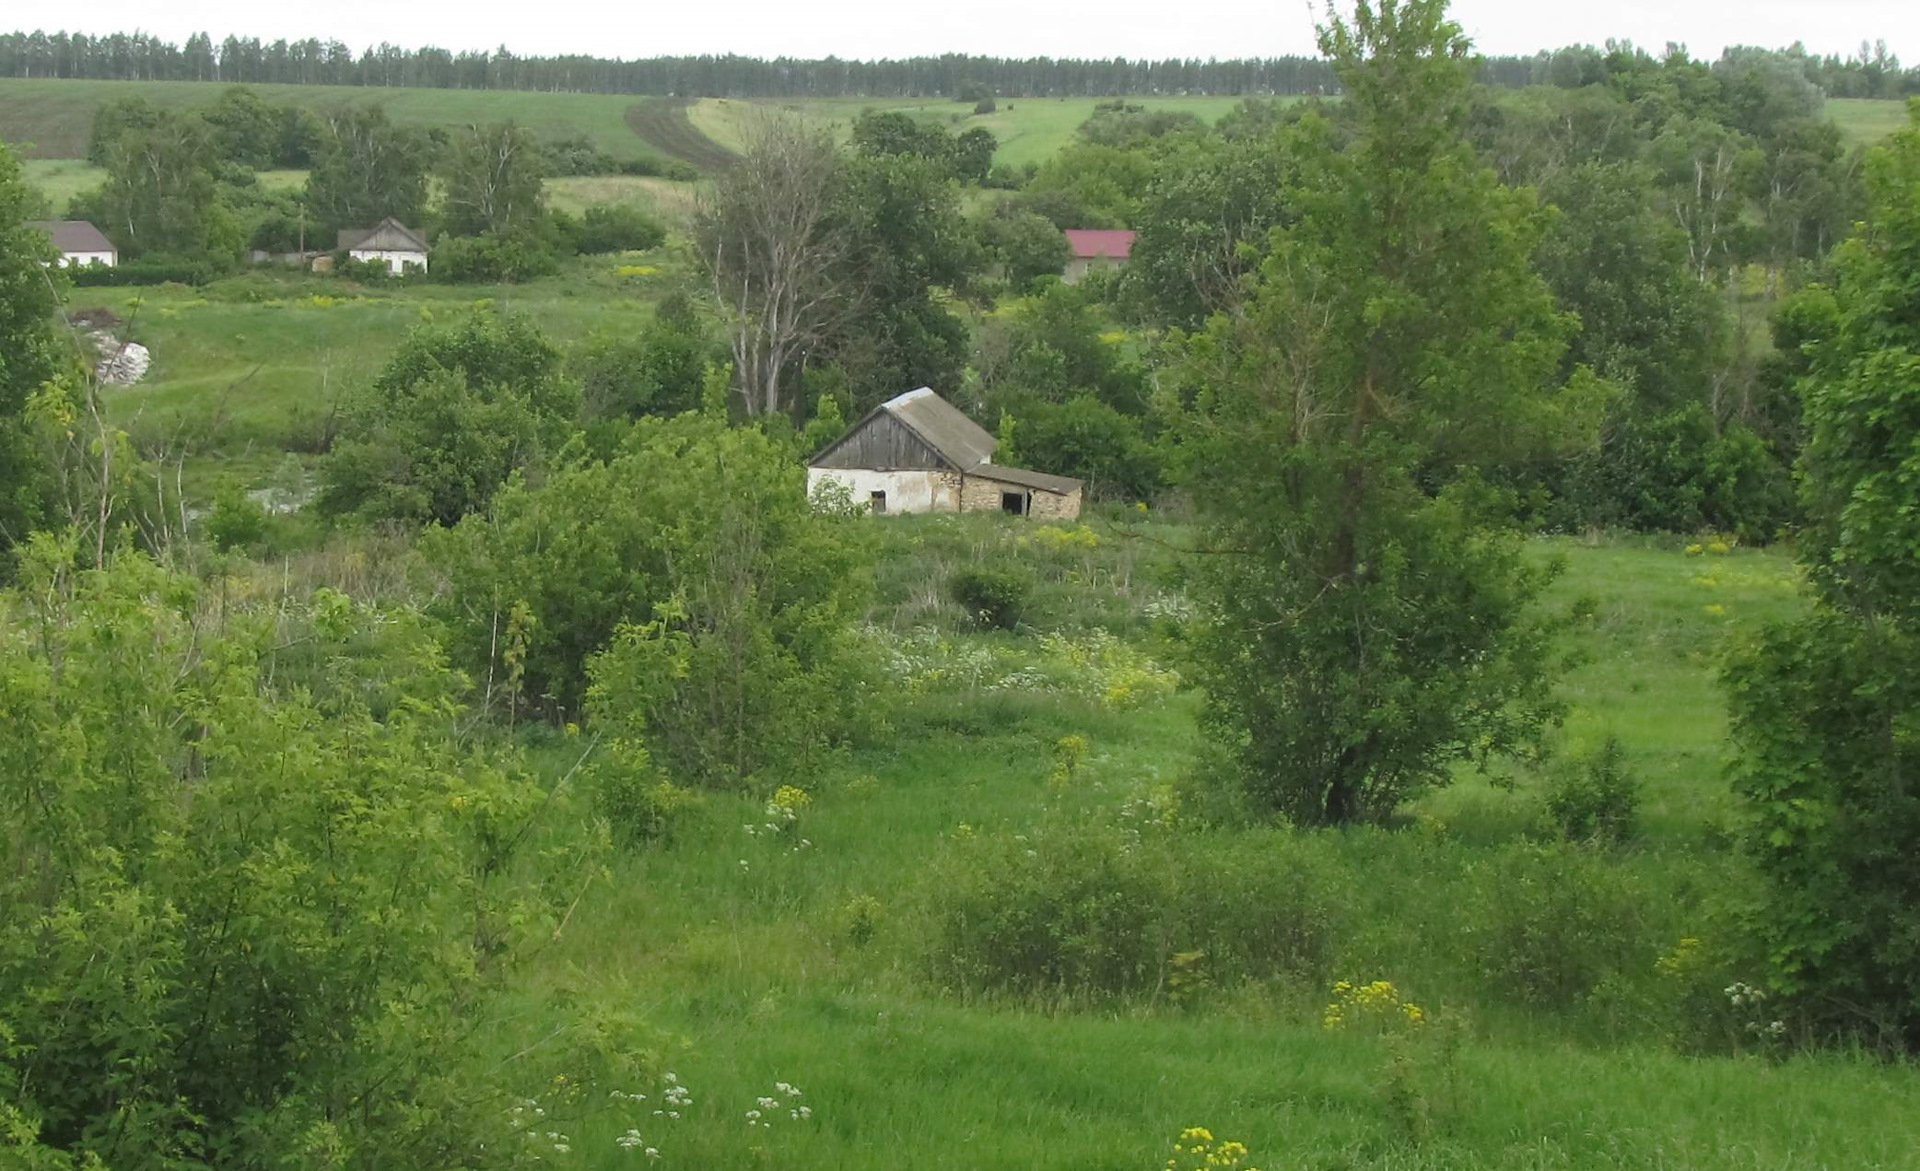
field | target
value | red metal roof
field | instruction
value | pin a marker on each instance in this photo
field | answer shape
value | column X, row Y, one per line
column 1091, row 243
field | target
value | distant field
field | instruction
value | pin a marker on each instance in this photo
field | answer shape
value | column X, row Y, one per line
column 53, row 117
column 1866, row 119
column 1029, row 130
column 60, row 180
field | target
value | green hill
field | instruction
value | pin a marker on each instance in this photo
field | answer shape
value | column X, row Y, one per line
column 53, row 117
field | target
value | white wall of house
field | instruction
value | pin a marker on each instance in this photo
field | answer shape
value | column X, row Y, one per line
column 907, row 491
column 397, row 262
column 1080, row 266
column 82, row 259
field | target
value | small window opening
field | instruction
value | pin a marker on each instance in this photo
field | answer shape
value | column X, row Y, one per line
column 879, row 500
column 1014, row 503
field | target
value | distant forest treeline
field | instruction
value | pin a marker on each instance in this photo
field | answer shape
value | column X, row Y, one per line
column 1873, row 73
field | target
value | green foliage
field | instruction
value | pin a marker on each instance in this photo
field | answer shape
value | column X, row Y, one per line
column 489, row 259
column 639, row 804
column 1098, row 185
column 32, row 358
column 159, row 192
column 1082, row 911
column 692, row 558
column 365, row 168
column 1824, row 710
column 245, row 918
column 455, row 412
column 1025, row 244
column 1372, row 616
column 991, row 597
column 1555, row 923
column 236, row 521
column 1054, row 346
column 617, row 227
column 1203, row 225
column 1594, row 798
column 658, row 372
column 1089, row 440
column 494, row 181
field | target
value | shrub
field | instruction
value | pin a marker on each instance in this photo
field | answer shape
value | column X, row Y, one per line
column 1554, row 922
column 148, row 270
column 993, row 597
column 1595, row 798
column 616, row 227
column 491, row 259
column 236, row 521
column 984, row 106
column 639, row 805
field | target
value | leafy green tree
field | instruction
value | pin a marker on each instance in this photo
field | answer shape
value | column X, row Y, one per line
column 159, row 192
column 1372, row 609
column 1826, row 710
column 31, row 357
column 973, row 151
column 256, row 891
column 455, row 412
column 365, row 169
column 1089, row 440
column 1025, row 244
column 1104, row 181
column 694, row 561
column 246, row 128
column 494, row 178
column 1203, row 224
column 115, row 118
column 1053, row 346
column 616, row 227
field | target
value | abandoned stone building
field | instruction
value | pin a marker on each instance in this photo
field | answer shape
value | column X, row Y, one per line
column 917, row 453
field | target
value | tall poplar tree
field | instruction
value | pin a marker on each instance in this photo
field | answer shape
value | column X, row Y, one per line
column 1371, row 608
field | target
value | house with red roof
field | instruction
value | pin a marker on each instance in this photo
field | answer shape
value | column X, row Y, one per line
column 1092, row 248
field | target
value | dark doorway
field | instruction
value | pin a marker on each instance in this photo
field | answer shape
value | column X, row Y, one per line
column 879, row 500
column 1014, row 503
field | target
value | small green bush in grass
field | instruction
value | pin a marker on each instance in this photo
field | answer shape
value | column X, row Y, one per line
column 994, row 597
column 1553, row 922
column 1595, row 798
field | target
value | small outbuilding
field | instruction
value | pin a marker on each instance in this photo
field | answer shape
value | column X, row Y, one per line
column 79, row 242
column 391, row 241
column 918, row 453
column 1095, row 248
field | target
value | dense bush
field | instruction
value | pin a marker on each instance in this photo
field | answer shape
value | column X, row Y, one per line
column 1595, row 798
column 455, row 411
column 991, row 597
column 1089, row 440
column 1090, row 910
column 147, row 270
column 491, row 259
column 688, row 578
column 616, row 227
column 255, row 889
column 1554, row 923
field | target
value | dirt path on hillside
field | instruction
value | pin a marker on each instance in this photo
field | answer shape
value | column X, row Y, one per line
column 664, row 124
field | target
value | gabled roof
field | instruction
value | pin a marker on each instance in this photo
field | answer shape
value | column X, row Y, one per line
column 389, row 235
column 1094, row 243
column 956, row 439
column 74, row 235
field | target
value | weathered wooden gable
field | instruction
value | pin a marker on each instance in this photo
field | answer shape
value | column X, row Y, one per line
column 883, row 443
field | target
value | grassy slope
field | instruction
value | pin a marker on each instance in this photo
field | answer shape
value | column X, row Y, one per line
column 1866, row 120
column 54, row 117
column 1029, row 129
column 736, row 949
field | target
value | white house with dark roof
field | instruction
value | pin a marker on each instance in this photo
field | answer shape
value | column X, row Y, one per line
column 917, row 453
column 391, row 241
column 79, row 242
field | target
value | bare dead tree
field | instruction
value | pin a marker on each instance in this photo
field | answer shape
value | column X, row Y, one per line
column 779, row 264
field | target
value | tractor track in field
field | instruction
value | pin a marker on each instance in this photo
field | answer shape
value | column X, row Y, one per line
column 663, row 124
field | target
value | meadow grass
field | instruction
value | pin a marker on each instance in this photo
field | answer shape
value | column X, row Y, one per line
column 738, row 949
column 52, row 118
column 1866, row 120
column 1029, row 130
column 259, row 362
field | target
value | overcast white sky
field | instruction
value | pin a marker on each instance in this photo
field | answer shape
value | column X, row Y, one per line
column 1013, row 28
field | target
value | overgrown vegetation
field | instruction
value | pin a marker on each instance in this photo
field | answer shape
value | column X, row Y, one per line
column 443, row 731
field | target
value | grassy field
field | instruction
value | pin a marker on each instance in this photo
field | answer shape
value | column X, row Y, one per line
column 1029, row 130
column 739, row 948
column 1866, row 120
column 52, row 118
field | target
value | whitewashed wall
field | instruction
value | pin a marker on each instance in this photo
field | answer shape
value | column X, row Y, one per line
column 397, row 262
column 907, row 491
column 82, row 259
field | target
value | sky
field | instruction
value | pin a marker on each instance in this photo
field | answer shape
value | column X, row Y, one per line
column 1009, row 28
